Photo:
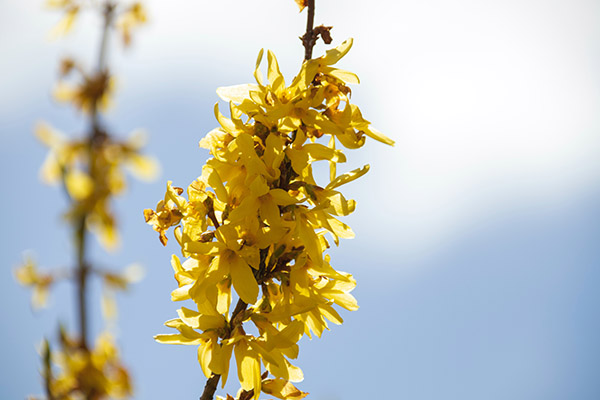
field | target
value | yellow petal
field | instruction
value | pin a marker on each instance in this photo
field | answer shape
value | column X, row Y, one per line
column 79, row 184
column 48, row 135
column 345, row 300
column 200, row 321
column 173, row 195
column 259, row 186
column 380, row 137
column 282, row 389
column 309, row 238
column 282, row 198
column 211, row 177
column 205, row 357
column 248, row 367
column 226, row 123
column 181, row 293
column 262, row 351
column 109, row 305
column 334, row 55
column 294, row 373
column 65, row 25
column 207, row 248
column 257, row 74
column 274, row 151
column 331, row 314
column 221, row 355
column 243, row 280
column 301, row 4
column 39, row 298
column 348, row 177
column 143, row 167
column 345, row 76
column 63, row 92
column 273, row 74
column 224, row 296
column 337, row 203
column 51, row 170
column 339, row 228
column 134, row 273
column 317, row 151
column 236, row 93
column 290, row 335
column 269, row 211
column 332, row 164
column 177, row 338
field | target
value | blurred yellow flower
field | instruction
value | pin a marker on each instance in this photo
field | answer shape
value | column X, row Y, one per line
column 94, row 92
column 92, row 178
column 97, row 373
column 134, row 16
column 28, row 275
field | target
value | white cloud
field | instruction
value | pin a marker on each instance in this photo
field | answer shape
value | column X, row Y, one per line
column 491, row 103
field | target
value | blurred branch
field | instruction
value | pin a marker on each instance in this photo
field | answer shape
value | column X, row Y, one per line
column 95, row 135
column 46, row 354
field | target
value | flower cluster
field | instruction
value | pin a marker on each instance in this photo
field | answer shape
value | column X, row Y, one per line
column 258, row 221
column 92, row 173
column 91, row 170
column 28, row 274
column 90, row 374
column 130, row 16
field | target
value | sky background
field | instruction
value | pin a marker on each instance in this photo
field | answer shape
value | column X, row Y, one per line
column 476, row 255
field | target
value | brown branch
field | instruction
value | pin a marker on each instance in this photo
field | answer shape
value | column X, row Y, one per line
column 309, row 39
column 210, row 387
column 82, row 273
column 108, row 15
column 47, row 370
column 236, row 319
column 95, row 136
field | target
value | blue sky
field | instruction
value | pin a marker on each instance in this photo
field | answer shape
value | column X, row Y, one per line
column 477, row 235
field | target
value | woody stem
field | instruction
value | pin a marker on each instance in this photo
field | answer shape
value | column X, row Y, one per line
column 212, row 382
column 95, row 134
column 309, row 39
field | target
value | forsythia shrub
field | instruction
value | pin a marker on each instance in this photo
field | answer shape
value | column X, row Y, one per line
column 257, row 220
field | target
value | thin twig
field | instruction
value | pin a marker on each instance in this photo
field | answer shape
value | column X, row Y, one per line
column 210, row 387
column 82, row 273
column 47, row 370
column 309, row 39
column 94, row 135
column 108, row 14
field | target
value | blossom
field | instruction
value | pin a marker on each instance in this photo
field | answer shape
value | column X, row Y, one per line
column 131, row 18
column 258, row 219
column 96, row 373
column 92, row 177
column 28, row 274
column 128, row 17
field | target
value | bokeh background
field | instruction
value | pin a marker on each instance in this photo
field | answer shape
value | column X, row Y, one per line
column 476, row 255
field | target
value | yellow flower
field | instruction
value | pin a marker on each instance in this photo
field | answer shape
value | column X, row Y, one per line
column 71, row 9
column 97, row 373
column 131, row 18
column 166, row 215
column 282, row 389
column 94, row 92
column 92, row 177
column 28, row 275
column 256, row 220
